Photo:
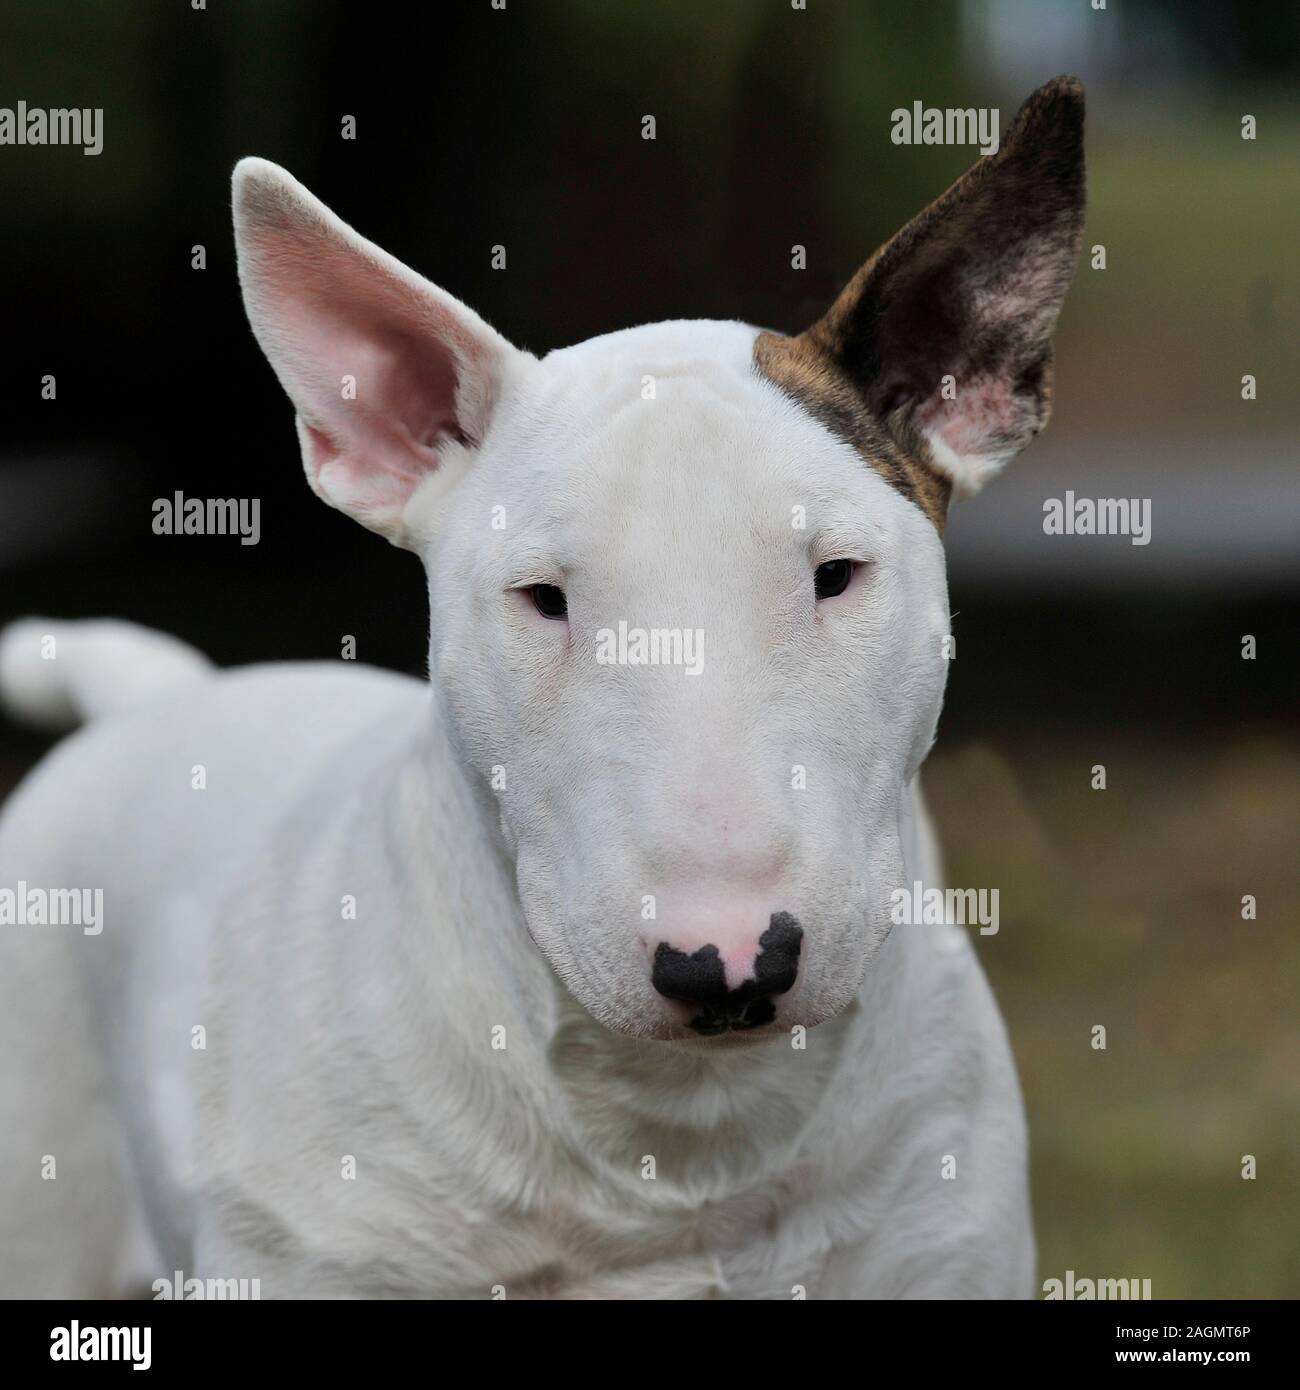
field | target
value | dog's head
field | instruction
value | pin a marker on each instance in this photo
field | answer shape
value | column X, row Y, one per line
column 687, row 580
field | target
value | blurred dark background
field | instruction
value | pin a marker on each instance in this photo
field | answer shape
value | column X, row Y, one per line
column 477, row 127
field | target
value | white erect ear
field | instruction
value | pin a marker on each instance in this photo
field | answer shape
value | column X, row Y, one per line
column 384, row 369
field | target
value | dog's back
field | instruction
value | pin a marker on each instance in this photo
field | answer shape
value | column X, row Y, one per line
column 153, row 805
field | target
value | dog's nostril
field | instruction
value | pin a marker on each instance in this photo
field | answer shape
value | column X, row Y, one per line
column 777, row 963
column 699, row 978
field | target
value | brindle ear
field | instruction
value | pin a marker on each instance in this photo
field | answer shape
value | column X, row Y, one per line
column 968, row 290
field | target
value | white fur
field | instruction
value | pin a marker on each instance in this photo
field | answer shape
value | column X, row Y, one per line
column 519, row 907
column 969, row 472
column 109, row 666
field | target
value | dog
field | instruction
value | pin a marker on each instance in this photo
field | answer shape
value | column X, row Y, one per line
column 571, row 972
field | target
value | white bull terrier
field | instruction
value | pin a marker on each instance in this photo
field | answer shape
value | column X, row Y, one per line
column 571, row 973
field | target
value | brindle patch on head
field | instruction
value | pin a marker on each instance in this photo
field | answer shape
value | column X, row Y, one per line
column 804, row 371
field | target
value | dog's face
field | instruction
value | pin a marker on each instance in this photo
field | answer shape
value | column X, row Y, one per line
column 687, row 580
column 741, row 765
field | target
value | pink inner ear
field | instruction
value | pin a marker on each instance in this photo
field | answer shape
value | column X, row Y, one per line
column 984, row 415
column 371, row 480
column 333, row 312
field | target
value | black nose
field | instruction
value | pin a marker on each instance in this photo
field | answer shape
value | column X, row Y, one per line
column 699, row 978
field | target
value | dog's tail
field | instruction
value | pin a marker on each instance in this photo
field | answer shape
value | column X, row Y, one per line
column 57, row 674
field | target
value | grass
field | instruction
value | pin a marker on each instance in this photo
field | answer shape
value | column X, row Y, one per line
column 1122, row 908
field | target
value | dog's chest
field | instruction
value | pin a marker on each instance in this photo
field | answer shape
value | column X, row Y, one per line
column 579, row 1239
column 588, row 1188
column 706, row 1192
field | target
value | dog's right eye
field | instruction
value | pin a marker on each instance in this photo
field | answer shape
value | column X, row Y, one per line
column 549, row 601
column 832, row 578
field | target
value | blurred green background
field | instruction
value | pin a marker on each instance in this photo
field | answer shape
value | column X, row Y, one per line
column 521, row 127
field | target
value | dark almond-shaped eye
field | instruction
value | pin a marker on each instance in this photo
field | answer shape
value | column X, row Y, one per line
column 833, row 577
column 550, row 601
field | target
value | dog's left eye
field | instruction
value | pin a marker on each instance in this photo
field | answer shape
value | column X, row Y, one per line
column 549, row 600
column 833, row 577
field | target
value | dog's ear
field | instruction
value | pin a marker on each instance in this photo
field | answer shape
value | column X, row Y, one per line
column 946, row 331
column 385, row 370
